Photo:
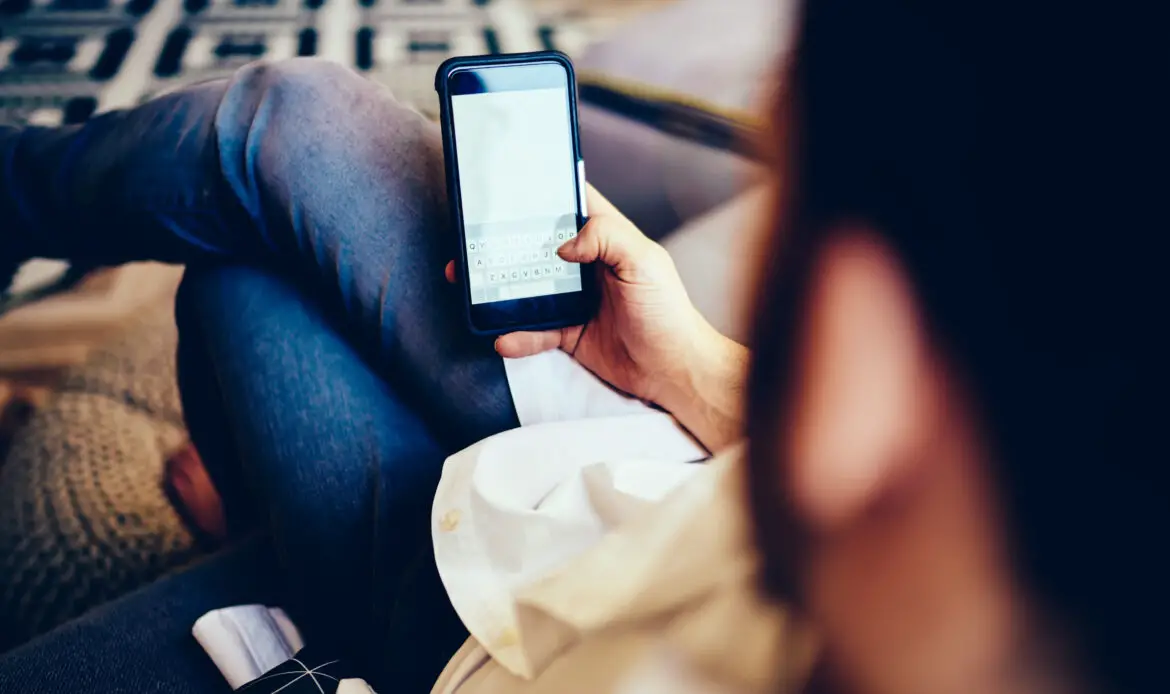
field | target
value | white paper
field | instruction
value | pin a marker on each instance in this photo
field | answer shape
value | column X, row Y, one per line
column 246, row 641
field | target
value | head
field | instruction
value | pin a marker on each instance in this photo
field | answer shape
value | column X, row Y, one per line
column 959, row 384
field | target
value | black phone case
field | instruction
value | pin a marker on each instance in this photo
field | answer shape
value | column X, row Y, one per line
column 454, row 200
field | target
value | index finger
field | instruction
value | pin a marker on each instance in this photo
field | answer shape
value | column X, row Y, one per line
column 525, row 344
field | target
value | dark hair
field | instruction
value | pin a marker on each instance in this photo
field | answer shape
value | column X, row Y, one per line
column 1017, row 169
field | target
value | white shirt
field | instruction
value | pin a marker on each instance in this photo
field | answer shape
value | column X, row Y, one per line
column 563, row 544
column 513, row 509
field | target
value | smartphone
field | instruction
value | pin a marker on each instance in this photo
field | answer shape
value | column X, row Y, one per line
column 516, row 188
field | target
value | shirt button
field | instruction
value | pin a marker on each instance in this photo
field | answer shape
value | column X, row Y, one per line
column 450, row 520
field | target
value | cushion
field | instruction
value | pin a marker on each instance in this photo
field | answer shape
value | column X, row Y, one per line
column 715, row 256
column 666, row 133
column 83, row 514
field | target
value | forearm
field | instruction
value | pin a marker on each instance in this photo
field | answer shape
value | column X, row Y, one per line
column 707, row 398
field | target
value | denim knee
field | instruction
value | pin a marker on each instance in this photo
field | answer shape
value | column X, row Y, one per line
column 297, row 136
column 304, row 102
column 309, row 85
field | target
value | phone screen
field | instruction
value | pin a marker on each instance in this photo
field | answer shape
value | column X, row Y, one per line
column 517, row 171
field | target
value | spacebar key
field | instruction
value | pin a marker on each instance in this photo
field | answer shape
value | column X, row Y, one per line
column 527, row 289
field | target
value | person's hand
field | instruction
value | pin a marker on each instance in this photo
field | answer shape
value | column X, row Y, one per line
column 647, row 338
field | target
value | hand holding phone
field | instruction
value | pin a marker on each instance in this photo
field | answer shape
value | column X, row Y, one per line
column 516, row 184
column 646, row 337
column 531, row 269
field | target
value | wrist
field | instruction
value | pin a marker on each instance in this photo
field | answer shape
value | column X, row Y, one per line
column 706, row 395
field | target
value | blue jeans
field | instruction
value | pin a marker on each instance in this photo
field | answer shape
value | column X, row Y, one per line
column 340, row 467
column 324, row 365
column 302, row 167
column 294, row 425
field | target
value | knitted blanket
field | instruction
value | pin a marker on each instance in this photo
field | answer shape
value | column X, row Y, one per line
column 83, row 515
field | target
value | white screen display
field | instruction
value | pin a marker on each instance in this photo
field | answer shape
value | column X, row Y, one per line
column 519, row 195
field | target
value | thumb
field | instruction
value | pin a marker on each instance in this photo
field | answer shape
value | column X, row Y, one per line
column 611, row 241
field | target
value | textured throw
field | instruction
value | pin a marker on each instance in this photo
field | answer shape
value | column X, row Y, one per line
column 83, row 515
